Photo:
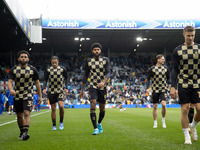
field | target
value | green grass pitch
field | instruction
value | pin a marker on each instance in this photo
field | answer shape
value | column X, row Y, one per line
column 127, row 130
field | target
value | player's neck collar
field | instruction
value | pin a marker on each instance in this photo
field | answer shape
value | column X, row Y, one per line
column 23, row 66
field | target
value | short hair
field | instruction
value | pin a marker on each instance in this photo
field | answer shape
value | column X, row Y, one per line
column 96, row 44
column 188, row 29
column 54, row 57
column 23, row 52
column 159, row 56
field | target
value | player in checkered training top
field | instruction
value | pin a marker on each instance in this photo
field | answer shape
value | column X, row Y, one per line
column 97, row 69
column 56, row 76
column 186, row 77
column 159, row 75
column 23, row 75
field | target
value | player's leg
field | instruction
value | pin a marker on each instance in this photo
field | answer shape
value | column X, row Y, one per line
column 101, row 116
column 18, row 106
column 53, row 101
column 61, row 112
column 28, row 106
column 93, row 94
column 155, row 114
column 184, row 95
column 163, row 97
column 93, row 116
column 191, row 113
column 155, row 100
column 20, row 123
column 53, row 116
column 26, row 123
column 163, row 102
column 102, row 101
column 185, row 122
column 196, row 102
column 9, row 109
column 195, row 122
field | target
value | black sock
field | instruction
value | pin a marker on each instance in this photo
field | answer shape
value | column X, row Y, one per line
column 21, row 129
column 54, row 122
column 191, row 115
column 93, row 118
column 25, row 129
column 101, row 116
column 61, row 119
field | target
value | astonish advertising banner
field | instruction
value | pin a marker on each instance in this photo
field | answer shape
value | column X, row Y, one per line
column 118, row 24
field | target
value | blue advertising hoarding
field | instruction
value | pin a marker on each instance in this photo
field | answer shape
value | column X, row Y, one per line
column 118, row 24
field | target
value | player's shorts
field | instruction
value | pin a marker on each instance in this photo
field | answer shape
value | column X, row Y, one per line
column 11, row 102
column 34, row 102
column 54, row 98
column 21, row 105
column 99, row 95
column 158, row 97
column 188, row 95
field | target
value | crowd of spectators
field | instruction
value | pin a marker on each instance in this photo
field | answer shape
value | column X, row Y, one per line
column 129, row 72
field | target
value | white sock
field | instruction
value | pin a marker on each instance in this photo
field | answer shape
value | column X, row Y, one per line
column 155, row 121
column 193, row 124
column 163, row 119
column 186, row 133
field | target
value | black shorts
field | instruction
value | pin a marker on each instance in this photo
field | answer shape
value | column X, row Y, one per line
column 21, row 105
column 99, row 95
column 158, row 97
column 188, row 95
column 54, row 98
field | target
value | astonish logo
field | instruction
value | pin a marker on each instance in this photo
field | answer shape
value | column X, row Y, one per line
column 66, row 24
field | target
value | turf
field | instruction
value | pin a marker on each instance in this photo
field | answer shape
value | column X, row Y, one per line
column 127, row 130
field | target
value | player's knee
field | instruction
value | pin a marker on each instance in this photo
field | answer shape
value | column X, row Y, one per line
column 102, row 110
column 26, row 114
column 61, row 107
column 53, row 109
column 92, row 110
column 155, row 106
column 164, row 106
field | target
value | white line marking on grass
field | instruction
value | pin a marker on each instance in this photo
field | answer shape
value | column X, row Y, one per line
column 31, row 116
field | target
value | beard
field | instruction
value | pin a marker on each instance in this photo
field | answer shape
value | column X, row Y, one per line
column 23, row 63
column 96, row 54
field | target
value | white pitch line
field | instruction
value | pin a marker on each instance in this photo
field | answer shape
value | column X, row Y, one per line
column 31, row 116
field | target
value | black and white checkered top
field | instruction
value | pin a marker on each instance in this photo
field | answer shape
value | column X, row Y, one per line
column 23, row 78
column 159, row 77
column 56, row 78
column 186, row 66
column 96, row 70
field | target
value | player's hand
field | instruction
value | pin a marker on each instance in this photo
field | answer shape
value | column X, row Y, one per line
column 173, row 92
column 100, row 85
column 12, row 92
column 44, row 92
column 66, row 91
column 81, row 94
column 39, row 100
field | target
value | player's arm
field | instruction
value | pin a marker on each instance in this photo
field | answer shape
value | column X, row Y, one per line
column 175, row 64
column 66, row 78
column 150, row 74
column 85, row 77
column 168, row 76
column 107, row 68
column 46, row 76
column 37, row 84
column 10, row 87
column 38, row 87
column 10, row 83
